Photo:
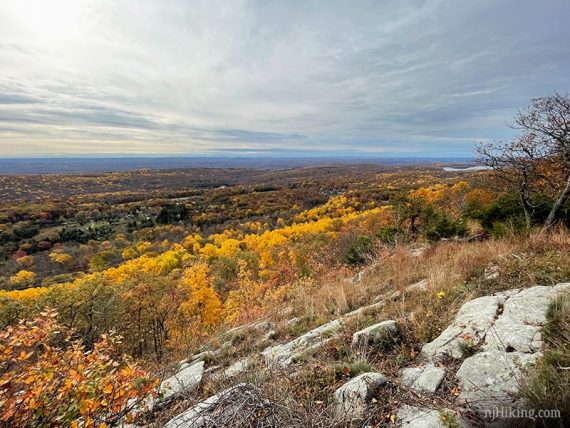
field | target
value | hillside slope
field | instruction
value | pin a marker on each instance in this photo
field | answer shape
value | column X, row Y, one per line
column 460, row 345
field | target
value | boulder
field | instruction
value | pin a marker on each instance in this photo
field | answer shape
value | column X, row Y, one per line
column 351, row 399
column 423, row 379
column 386, row 330
column 409, row 375
column 185, row 380
column 509, row 321
column 518, row 326
column 418, row 417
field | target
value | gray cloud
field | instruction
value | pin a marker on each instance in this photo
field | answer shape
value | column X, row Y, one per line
column 427, row 77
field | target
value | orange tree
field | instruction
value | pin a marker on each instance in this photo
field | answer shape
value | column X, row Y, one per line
column 49, row 379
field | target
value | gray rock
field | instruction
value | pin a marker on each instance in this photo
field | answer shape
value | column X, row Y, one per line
column 491, row 273
column 351, row 399
column 511, row 320
column 518, row 327
column 238, row 367
column 473, row 320
column 418, row 286
column 282, row 354
column 490, row 379
column 198, row 415
column 182, row 381
column 423, row 379
column 375, row 333
column 418, row 417
column 429, row 380
column 409, row 375
column 363, row 309
column 508, row 328
column 263, row 326
column 292, row 322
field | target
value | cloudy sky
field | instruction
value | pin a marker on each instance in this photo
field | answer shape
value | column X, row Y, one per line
column 378, row 78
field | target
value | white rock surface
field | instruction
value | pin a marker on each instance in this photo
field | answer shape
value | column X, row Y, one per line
column 418, row 417
column 374, row 333
column 238, row 367
column 184, row 380
column 409, row 375
column 283, row 354
column 418, row 286
column 423, row 379
column 197, row 416
column 490, row 379
column 363, row 309
column 473, row 320
column 430, row 379
column 508, row 327
column 351, row 399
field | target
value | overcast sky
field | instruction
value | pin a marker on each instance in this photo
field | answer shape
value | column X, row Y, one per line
column 376, row 77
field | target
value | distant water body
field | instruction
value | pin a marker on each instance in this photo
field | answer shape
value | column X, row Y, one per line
column 469, row 168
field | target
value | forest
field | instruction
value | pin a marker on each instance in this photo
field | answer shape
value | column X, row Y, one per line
column 126, row 273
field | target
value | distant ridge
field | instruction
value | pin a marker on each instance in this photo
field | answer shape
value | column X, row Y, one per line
column 11, row 166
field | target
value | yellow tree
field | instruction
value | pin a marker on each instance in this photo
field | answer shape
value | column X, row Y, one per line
column 23, row 278
column 245, row 301
column 201, row 308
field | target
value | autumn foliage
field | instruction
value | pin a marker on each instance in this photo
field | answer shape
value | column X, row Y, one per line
column 49, row 379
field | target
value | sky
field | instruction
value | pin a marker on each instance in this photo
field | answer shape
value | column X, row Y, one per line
column 333, row 78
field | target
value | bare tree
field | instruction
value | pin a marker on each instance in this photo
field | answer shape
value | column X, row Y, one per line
column 539, row 158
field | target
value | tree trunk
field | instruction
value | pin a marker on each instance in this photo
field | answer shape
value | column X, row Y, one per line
column 557, row 204
column 526, row 210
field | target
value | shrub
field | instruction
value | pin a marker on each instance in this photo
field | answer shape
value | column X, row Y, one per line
column 357, row 252
column 444, row 226
column 49, row 379
column 387, row 234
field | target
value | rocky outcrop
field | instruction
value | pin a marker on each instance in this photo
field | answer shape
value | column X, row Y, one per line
column 384, row 331
column 185, row 380
column 418, row 417
column 201, row 415
column 286, row 353
column 506, row 330
column 469, row 328
column 352, row 399
column 238, row 367
column 493, row 339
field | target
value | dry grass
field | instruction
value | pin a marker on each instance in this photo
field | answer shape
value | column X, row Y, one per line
column 455, row 273
column 457, row 269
